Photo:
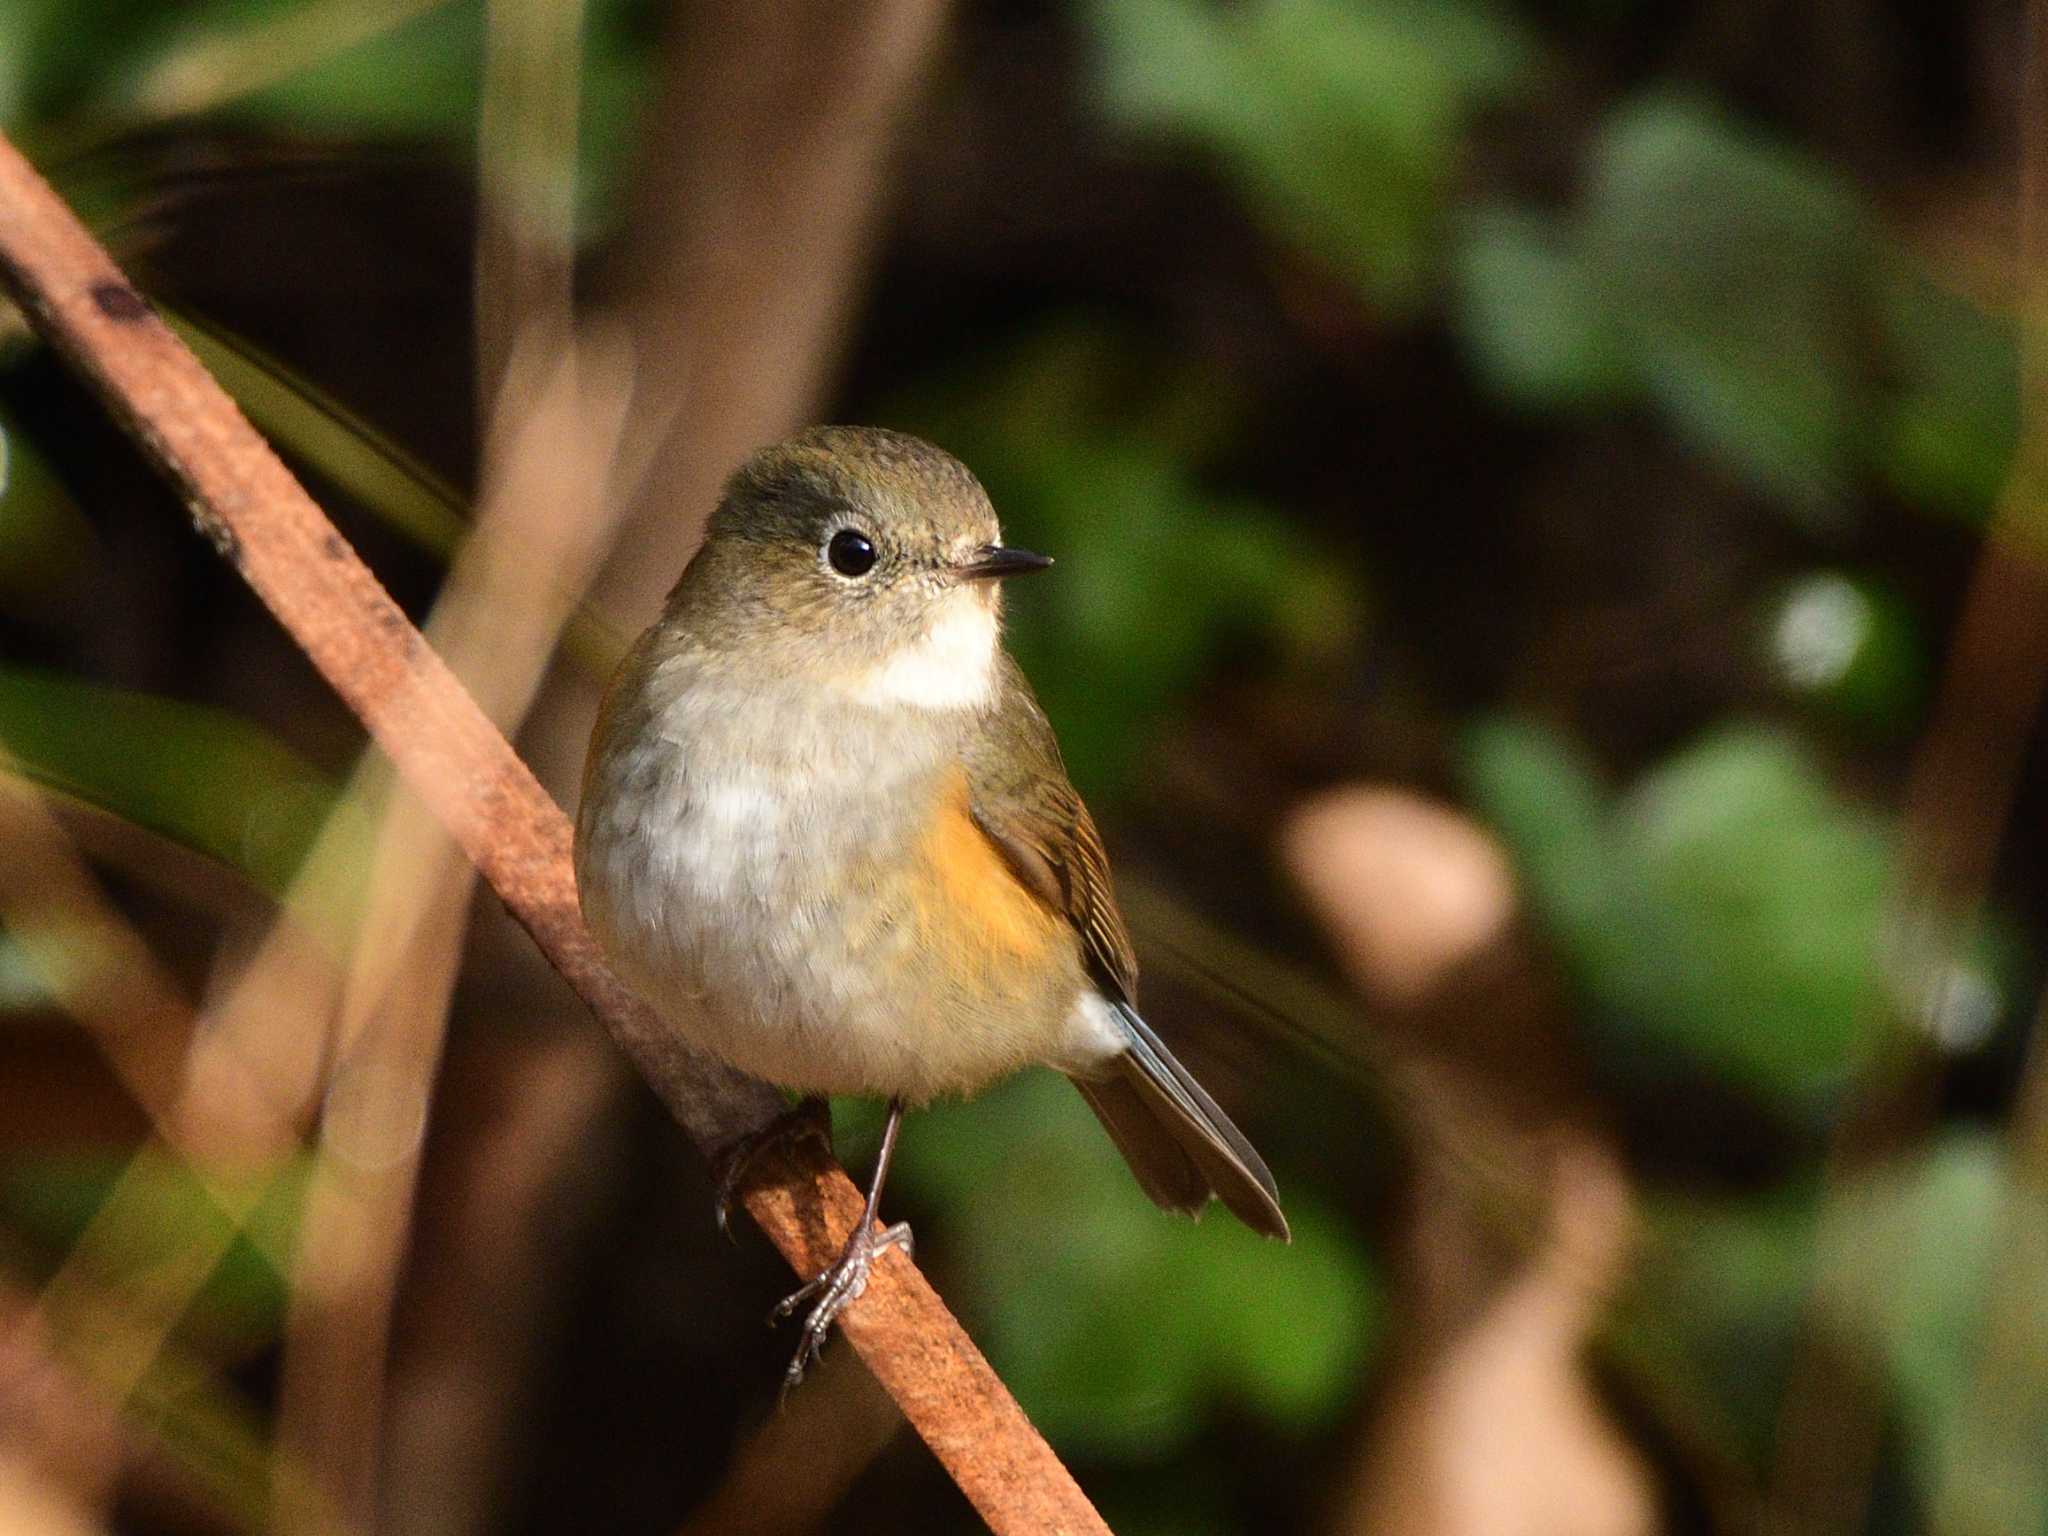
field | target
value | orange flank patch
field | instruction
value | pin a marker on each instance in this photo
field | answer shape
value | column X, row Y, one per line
column 977, row 899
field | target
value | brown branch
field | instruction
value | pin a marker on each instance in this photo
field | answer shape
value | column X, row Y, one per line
column 246, row 502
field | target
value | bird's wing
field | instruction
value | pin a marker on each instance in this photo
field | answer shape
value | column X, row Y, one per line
column 1020, row 798
column 1180, row 1145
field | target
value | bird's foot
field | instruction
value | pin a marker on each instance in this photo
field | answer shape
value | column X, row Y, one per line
column 809, row 1119
column 835, row 1290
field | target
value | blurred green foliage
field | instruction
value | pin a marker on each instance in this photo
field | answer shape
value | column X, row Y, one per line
column 1670, row 269
column 200, row 776
column 1725, row 914
column 1731, row 1281
column 76, row 74
column 1123, row 1334
column 50, row 1201
column 1339, row 123
column 1745, row 291
column 1084, row 439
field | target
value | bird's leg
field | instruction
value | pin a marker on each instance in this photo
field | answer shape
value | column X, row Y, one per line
column 840, row 1286
column 809, row 1119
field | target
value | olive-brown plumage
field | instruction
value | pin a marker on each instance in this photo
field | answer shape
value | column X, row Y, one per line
column 826, row 829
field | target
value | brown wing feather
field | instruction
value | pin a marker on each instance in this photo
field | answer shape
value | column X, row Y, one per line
column 1178, row 1143
column 1020, row 798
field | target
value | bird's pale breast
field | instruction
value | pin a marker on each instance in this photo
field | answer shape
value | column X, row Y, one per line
column 801, row 887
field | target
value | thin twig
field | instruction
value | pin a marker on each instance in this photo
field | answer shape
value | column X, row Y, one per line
column 540, row 525
column 246, row 502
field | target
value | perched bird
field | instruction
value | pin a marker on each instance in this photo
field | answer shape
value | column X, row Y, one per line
column 825, row 829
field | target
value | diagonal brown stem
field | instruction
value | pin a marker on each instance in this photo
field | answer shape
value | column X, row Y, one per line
column 265, row 525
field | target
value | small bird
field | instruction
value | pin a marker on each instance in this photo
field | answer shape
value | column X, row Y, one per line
column 825, row 829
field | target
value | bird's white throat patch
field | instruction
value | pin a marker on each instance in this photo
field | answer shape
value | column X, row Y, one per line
column 952, row 665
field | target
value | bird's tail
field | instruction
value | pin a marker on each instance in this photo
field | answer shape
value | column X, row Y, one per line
column 1179, row 1144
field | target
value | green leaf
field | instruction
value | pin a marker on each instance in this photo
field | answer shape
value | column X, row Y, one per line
column 421, row 80
column 1744, row 273
column 1745, row 290
column 206, row 778
column 1935, row 1220
column 52, row 50
column 1772, row 894
column 416, row 79
column 1951, row 429
column 1547, row 802
column 1530, row 316
column 1724, row 914
column 1716, row 1311
column 1338, row 122
column 1956, row 1311
column 1544, row 797
column 1123, row 1330
column 76, row 74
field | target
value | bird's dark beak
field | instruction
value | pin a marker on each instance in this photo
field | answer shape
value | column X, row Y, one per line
column 993, row 561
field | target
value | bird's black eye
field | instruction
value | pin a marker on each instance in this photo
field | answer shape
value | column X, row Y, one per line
column 850, row 552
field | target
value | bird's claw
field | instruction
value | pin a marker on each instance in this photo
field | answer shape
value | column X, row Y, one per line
column 836, row 1289
column 808, row 1119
